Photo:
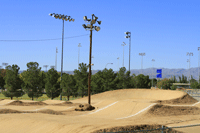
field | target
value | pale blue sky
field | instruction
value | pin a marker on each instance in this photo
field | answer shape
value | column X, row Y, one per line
column 164, row 29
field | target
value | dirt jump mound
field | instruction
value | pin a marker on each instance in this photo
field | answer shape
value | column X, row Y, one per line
column 63, row 103
column 49, row 111
column 164, row 110
column 84, row 107
column 185, row 99
column 136, row 128
column 6, row 111
column 20, row 103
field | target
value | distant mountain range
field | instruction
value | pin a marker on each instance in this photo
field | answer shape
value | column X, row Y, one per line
column 166, row 73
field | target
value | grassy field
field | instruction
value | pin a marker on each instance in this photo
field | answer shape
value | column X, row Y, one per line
column 42, row 98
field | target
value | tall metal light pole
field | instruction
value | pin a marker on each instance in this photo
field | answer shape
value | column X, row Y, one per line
column 79, row 45
column 142, row 54
column 56, row 59
column 152, row 71
column 46, row 67
column 90, row 27
column 190, row 54
column 128, row 35
column 124, row 44
column 5, row 64
column 198, row 63
column 63, row 17
column 118, row 63
column 107, row 64
column 188, row 68
column 52, row 67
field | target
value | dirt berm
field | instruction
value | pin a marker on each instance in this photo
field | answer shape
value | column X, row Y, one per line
column 20, row 103
column 185, row 99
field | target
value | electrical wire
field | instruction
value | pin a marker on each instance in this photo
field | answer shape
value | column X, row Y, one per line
column 41, row 39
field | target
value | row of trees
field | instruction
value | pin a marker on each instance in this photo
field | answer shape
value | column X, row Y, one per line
column 34, row 82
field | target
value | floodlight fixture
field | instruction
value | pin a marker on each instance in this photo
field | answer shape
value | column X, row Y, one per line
column 56, row 16
column 50, row 14
column 99, row 22
column 95, row 18
column 127, row 32
column 97, row 28
column 84, row 26
column 85, row 18
column 93, row 22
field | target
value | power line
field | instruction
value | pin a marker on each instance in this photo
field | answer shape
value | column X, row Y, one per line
column 41, row 39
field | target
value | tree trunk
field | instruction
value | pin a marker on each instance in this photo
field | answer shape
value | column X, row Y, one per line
column 32, row 98
column 11, row 98
column 68, row 97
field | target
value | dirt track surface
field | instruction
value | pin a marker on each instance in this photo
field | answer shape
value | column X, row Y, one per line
column 119, row 109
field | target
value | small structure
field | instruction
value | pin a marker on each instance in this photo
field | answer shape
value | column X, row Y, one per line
column 184, row 85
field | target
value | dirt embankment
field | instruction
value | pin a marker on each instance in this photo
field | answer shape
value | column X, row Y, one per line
column 186, row 99
column 20, row 103
column 150, row 128
column 45, row 111
column 164, row 110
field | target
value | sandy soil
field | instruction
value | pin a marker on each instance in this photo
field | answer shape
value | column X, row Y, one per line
column 117, row 110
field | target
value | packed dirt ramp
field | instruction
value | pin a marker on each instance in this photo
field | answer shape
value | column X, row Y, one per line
column 165, row 110
column 20, row 103
column 185, row 99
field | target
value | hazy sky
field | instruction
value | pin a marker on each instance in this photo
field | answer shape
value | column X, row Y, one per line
column 164, row 29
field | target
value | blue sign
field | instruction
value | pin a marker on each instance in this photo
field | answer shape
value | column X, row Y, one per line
column 160, row 73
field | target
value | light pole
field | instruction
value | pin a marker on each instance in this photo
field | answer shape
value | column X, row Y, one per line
column 56, row 59
column 142, row 54
column 198, row 63
column 79, row 45
column 90, row 27
column 5, row 64
column 152, row 71
column 46, row 67
column 190, row 54
column 63, row 17
column 107, row 64
column 128, row 35
column 188, row 68
column 124, row 44
column 91, row 62
column 118, row 63
column 52, row 67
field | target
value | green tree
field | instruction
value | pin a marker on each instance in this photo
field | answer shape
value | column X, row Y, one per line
column 43, row 77
column 32, row 80
column 195, row 85
column 81, row 77
column 52, row 86
column 2, row 81
column 97, row 83
column 108, row 77
column 13, row 82
column 165, row 83
column 69, row 86
column 121, row 78
column 142, row 81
